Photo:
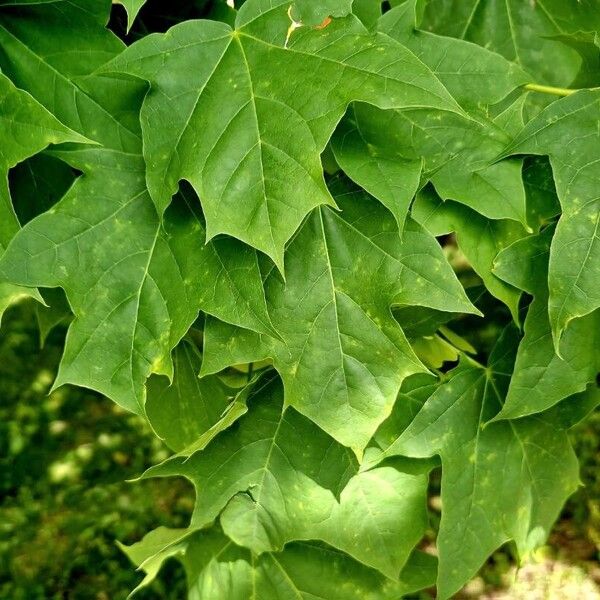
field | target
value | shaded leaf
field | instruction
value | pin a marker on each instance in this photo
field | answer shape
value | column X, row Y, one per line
column 275, row 477
column 26, row 128
column 474, row 75
column 574, row 270
column 135, row 285
column 343, row 356
column 459, row 157
column 51, row 50
column 480, row 239
column 520, row 31
column 218, row 569
column 480, row 510
column 541, row 378
column 182, row 410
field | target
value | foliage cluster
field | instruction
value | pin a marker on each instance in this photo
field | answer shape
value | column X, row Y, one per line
column 256, row 195
column 57, row 534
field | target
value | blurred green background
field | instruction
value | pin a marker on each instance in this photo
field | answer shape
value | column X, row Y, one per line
column 64, row 459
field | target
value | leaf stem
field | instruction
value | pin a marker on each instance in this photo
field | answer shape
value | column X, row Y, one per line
column 548, row 89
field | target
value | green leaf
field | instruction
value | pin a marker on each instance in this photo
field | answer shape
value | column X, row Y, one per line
column 474, row 75
column 273, row 488
column 541, row 378
column 480, row 239
column 134, row 304
column 287, row 198
column 298, row 573
column 385, row 507
column 380, row 170
column 434, row 351
column 37, row 184
column 26, row 128
column 419, row 321
column 218, row 569
column 309, row 12
column 51, row 49
column 520, row 31
column 368, row 11
column 97, row 10
column 54, row 312
column 12, row 294
column 587, row 45
column 343, row 356
column 542, row 200
column 260, row 127
column 499, row 482
column 413, row 394
column 383, row 152
column 132, row 7
column 183, row 410
column 150, row 553
column 574, row 269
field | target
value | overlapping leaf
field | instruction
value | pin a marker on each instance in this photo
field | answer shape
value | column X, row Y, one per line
column 277, row 477
column 135, row 284
column 183, row 411
column 294, row 498
column 218, row 569
column 474, row 75
column 35, row 186
column 342, row 356
column 569, row 132
column 25, row 129
column 50, row 49
column 479, row 238
column 482, row 510
column 85, row 10
column 523, row 32
column 541, row 378
column 384, row 151
column 248, row 120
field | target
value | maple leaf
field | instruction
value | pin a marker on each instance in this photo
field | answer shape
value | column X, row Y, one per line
column 523, row 32
column 217, row 568
column 183, row 410
column 259, row 125
column 385, row 151
column 135, row 284
column 574, row 269
column 342, row 355
column 268, row 488
column 51, row 50
column 480, row 239
column 154, row 191
column 153, row 292
column 541, row 378
column 25, row 129
column 480, row 510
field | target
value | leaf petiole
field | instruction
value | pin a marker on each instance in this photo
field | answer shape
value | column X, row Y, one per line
column 548, row 89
